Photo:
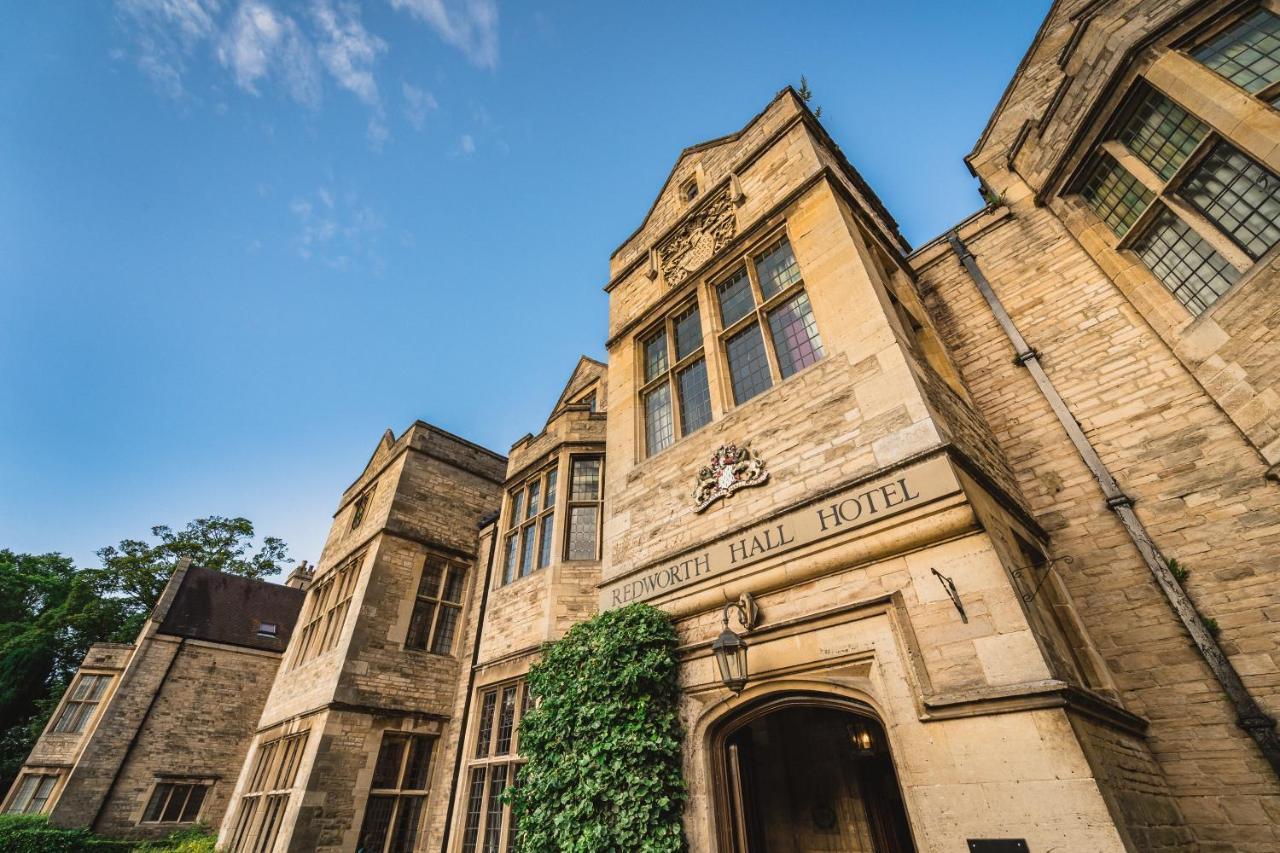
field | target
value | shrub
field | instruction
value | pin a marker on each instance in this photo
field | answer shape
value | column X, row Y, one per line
column 33, row 834
column 603, row 742
column 195, row 840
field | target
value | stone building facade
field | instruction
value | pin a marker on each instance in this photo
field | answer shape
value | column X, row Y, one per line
column 150, row 736
column 998, row 517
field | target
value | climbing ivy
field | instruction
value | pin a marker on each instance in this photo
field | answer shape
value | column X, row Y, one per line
column 603, row 740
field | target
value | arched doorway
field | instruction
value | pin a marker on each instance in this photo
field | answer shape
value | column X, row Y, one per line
column 807, row 773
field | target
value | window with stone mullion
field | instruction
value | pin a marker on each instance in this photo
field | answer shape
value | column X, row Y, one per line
column 766, row 293
column 262, row 807
column 676, row 400
column 487, row 823
column 397, row 793
column 437, row 606
column 586, row 496
column 530, row 524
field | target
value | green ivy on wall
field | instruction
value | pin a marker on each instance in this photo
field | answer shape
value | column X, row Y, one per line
column 603, row 740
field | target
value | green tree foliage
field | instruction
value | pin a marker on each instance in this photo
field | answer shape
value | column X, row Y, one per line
column 51, row 612
column 603, row 740
column 142, row 569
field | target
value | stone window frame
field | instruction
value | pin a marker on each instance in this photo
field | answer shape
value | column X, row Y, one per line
column 667, row 378
column 360, row 506
column 1205, row 37
column 486, row 755
column 536, row 528
column 265, row 799
column 166, row 787
column 1165, row 198
column 78, row 710
column 748, row 260
column 395, row 838
column 328, row 601
column 47, row 785
column 689, row 190
column 572, row 503
column 445, row 600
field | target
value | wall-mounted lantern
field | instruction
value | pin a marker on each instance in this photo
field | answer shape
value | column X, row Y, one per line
column 731, row 649
column 862, row 738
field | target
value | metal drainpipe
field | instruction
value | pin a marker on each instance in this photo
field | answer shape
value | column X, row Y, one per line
column 471, row 682
column 1249, row 716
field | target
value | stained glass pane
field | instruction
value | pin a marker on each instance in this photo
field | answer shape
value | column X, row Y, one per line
column 776, row 268
column 547, row 526
column 475, row 810
column 735, row 297
column 1248, row 54
column 582, row 532
column 377, row 820
column 688, row 331
column 659, row 428
column 748, row 365
column 1162, row 133
column 484, row 738
column 795, row 335
column 1239, row 195
column 655, row 356
column 1115, row 195
column 1188, row 266
column 585, row 479
column 695, row 399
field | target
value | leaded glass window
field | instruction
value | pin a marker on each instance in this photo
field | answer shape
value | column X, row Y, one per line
column 530, row 525
column 1240, row 196
column 674, row 393
column 393, row 812
column 1115, row 195
column 1248, row 54
column 768, row 291
column 488, row 826
column 1188, row 266
column 266, row 797
column 437, row 606
column 32, row 793
column 175, row 802
column 325, row 611
column 1162, row 133
column 82, row 701
column 582, row 539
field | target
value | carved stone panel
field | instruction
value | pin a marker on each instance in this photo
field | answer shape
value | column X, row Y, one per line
column 698, row 238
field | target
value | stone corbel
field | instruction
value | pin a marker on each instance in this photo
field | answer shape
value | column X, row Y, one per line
column 651, row 271
column 735, row 190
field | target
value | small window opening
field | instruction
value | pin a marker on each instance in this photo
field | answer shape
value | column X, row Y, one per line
column 268, row 629
column 689, row 191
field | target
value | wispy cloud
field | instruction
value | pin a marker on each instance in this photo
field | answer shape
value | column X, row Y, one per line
column 263, row 48
column 338, row 230
column 417, row 103
column 347, row 49
column 261, row 41
column 469, row 25
column 166, row 35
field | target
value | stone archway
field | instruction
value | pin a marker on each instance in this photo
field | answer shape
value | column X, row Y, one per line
column 806, row 773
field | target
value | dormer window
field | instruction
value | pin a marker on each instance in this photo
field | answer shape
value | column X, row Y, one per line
column 361, row 507
column 689, row 190
column 268, row 629
column 589, row 401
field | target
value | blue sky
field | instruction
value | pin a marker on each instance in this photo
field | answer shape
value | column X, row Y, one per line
column 238, row 240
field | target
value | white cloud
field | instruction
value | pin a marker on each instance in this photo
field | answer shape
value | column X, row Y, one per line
column 338, row 230
column 347, row 49
column 166, row 35
column 260, row 42
column 469, row 25
column 417, row 103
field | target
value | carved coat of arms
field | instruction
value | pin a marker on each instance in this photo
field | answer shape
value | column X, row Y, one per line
column 699, row 238
column 732, row 468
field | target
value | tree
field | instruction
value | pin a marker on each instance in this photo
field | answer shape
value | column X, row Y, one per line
column 806, row 95
column 51, row 612
column 140, row 570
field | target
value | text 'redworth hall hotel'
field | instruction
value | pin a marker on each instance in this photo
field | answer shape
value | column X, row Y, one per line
column 997, row 517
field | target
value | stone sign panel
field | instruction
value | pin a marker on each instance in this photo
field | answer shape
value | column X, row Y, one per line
column 860, row 505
